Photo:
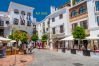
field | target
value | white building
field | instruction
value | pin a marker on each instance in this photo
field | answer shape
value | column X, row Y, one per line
column 20, row 17
column 4, row 24
column 93, row 15
column 62, row 21
column 56, row 26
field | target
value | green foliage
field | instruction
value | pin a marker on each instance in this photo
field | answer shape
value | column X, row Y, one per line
column 19, row 35
column 44, row 38
column 73, row 2
column 34, row 37
column 23, row 37
column 11, row 37
column 79, row 33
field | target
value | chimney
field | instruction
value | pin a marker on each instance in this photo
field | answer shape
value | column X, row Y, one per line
column 52, row 9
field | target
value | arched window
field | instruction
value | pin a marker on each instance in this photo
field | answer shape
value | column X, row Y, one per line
column 28, row 14
column 16, row 11
column 82, row 10
column 22, row 12
column 73, row 13
column 97, row 5
column 15, row 21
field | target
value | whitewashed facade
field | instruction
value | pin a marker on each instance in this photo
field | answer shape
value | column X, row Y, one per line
column 93, row 15
column 56, row 26
column 20, row 18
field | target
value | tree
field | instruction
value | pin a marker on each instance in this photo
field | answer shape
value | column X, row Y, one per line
column 34, row 37
column 44, row 38
column 79, row 33
column 73, row 2
column 11, row 37
column 19, row 35
column 23, row 37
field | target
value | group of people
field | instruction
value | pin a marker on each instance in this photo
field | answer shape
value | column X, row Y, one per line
column 28, row 47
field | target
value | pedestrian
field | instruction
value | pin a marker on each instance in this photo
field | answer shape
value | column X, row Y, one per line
column 95, row 48
column 24, row 48
column 4, row 50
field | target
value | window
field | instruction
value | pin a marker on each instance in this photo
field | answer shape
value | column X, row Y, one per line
column 48, row 23
column 16, row 11
column 74, row 25
column 53, row 19
column 61, row 28
column 15, row 21
column 1, row 32
column 60, row 16
column 97, row 5
column 7, row 22
column 84, row 24
column 22, row 22
column 82, row 10
column 78, row 1
column 28, row 14
column 73, row 13
column 22, row 12
column 43, row 24
column 43, row 30
column 53, row 29
column 98, row 20
column 46, row 29
column 1, row 23
column 28, row 23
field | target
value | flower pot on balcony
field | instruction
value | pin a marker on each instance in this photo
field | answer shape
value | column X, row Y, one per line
column 73, row 51
column 86, row 52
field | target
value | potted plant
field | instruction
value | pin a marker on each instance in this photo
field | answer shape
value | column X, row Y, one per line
column 86, row 52
column 73, row 51
column 44, row 40
column 35, row 38
column 78, row 34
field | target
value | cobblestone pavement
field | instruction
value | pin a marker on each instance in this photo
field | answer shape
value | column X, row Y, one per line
column 21, row 60
column 49, row 58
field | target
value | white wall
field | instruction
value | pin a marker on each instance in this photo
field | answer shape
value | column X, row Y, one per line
column 28, row 29
column 92, row 16
column 64, row 21
column 40, row 30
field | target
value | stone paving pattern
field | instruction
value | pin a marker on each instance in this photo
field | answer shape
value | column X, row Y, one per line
column 21, row 60
column 49, row 58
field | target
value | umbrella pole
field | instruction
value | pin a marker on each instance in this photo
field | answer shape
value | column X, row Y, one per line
column 15, row 57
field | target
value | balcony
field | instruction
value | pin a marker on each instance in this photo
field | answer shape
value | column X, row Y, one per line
column 28, row 24
column 4, row 23
column 61, row 35
column 1, row 23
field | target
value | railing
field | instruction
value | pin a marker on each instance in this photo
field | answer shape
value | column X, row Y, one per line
column 28, row 24
column 1, row 23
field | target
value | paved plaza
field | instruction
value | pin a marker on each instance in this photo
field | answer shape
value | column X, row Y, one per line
column 52, row 58
column 43, row 57
column 16, row 60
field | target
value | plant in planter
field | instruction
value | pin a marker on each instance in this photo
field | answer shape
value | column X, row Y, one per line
column 19, row 35
column 78, row 34
column 34, row 38
column 86, row 52
column 44, row 39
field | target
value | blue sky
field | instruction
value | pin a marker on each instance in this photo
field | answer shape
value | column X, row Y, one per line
column 42, row 7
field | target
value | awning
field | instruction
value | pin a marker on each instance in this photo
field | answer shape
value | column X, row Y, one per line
column 67, row 38
column 13, row 41
column 4, row 39
column 92, row 37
